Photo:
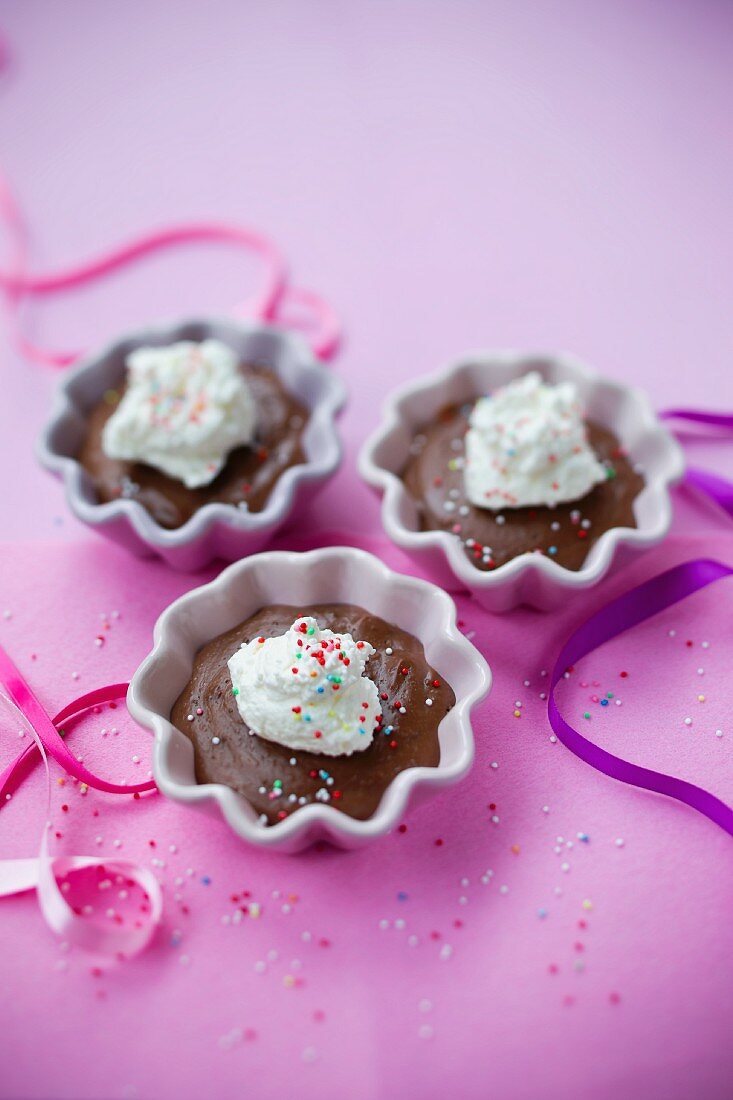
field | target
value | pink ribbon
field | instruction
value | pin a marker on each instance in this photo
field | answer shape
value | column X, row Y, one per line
column 114, row 940
column 275, row 303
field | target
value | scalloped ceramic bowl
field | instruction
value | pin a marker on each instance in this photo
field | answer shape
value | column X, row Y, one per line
column 216, row 530
column 336, row 574
column 531, row 578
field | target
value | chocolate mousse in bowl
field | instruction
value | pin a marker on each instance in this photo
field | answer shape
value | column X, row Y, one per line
column 525, row 476
column 195, row 440
column 309, row 696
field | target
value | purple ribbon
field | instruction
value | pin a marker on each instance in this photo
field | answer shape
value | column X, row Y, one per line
column 718, row 488
column 628, row 611
column 622, row 614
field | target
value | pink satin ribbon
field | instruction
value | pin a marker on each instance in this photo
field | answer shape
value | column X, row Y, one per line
column 277, row 302
column 114, row 940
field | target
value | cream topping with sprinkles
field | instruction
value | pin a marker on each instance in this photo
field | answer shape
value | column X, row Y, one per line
column 526, row 445
column 307, row 689
column 186, row 406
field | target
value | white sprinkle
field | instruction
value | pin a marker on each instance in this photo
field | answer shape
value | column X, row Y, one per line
column 189, row 718
column 545, row 809
column 424, row 1005
column 7, row 615
column 428, row 702
column 619, row 842
column 136, row 759
column 672, row 633
column 383, row 924
column 412, row 941
column 718, row 733
column 445, row 952
column 216, row 740
column 309, row 1054
column 493, row 764
column 504, row 889
column 425, row 1032
column 688, row 721
column 501, row 520
column 701, row 672
column 565, row 867
column 553, row 738
column 706, row 645
column 389, row 651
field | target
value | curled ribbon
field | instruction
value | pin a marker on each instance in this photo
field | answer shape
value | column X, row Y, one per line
column 622, row 614
column 635, row 607
column 20, row 875
column 269, row 305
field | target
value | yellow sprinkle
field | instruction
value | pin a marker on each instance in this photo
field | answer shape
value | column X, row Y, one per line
column 587, row 904
column 701, row 698
column 517, row 714
column 254, row 910
column 61, row 781
column 289, row 981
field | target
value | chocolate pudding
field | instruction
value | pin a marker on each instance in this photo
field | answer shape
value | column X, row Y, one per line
column 566, row 532
column 247, row 478
column 276, row 780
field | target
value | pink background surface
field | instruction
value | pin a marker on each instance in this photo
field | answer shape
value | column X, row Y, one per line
column 451, row 177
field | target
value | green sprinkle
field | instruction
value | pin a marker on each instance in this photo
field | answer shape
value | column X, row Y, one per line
column 235, row 691
column 586, row 714
column 609, row 695
column 610, row 473
column 311, row 630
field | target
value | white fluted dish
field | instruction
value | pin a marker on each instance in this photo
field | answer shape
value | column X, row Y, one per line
column 216, row 530
column 333, row 575
column 532, row 579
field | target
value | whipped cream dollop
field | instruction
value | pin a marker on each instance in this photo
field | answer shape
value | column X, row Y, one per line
column 527, row 445
column 186, row 406
column 306, row 689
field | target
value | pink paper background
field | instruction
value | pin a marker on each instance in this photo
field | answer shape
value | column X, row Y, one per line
column 451, row 176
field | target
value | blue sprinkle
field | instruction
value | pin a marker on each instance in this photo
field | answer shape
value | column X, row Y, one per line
column 552, row 550
column 604, row 702
column 320, row 690
column 206, row 880
column 306, row 717
column 542, row 913
column 401, row 895
column 584, row 837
